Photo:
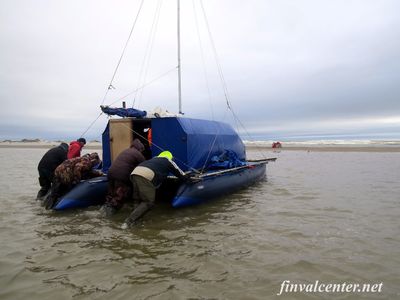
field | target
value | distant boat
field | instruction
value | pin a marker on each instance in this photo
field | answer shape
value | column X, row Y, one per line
column 211, row 149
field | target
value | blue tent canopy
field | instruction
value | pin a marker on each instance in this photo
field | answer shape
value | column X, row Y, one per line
column 193, row 142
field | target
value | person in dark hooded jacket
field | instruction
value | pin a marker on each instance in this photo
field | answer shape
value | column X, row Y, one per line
column 119, row 184
column 49, row 162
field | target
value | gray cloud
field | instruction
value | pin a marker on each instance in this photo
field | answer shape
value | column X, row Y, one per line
column 292, row 67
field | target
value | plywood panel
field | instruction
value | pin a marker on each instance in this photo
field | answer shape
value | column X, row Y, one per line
column 120, row 136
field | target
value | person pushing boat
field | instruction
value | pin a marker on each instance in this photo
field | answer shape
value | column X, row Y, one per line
column 146, row 178
column 70, row 173
column 49, row 162
column 119, row 184
column 75, row 148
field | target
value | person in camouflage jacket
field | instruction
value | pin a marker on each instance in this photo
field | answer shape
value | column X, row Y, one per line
column 70, row 173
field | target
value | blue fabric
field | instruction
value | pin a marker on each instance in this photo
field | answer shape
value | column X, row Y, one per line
column 106, row 149
column 124, row 112
column 193, row 142
column 228, row 159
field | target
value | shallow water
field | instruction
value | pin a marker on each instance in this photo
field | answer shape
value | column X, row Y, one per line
column 327, row 216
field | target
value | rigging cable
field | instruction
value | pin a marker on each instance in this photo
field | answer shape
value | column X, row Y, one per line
column 222, row 78
column 148, row 52
column 91, row 124
column 221, row 75
column 127, row 95
column 203, row 59
column 258, row 148
column 212, row 144
column 144, row 85
column 110, row 86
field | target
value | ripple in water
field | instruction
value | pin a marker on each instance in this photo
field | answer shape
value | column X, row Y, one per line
column 331, row 217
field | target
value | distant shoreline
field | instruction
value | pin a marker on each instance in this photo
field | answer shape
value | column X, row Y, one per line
column 330, row 148
column 313, row 148
column 43, row 145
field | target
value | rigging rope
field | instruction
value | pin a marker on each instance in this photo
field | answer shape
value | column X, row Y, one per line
column 212, row 144
column 222, row 78
column 110, row 86
column 221, row 75
column 144, row 85
column 127, row 95
column 149, row 51
column 91, row 124
column 203, row 58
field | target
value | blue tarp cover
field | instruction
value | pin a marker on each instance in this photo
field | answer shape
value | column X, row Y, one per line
column 123, row 112
column 194, row 142
column 228, row 159
column 106, row 148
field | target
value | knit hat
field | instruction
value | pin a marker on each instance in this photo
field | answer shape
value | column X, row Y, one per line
column 82, row 140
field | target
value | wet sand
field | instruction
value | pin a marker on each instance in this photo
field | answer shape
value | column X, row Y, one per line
column 43, row 145
column 330, row 148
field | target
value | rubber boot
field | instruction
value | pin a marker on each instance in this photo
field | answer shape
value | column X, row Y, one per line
column 137, row 213
column 52, row 197
column 42, row 193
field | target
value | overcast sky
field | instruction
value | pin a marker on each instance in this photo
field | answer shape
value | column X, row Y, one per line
column 292, row 68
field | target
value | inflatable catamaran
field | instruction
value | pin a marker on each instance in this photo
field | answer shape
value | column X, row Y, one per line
column 211, row 149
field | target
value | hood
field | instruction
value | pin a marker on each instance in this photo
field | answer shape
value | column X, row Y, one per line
column 138, row 145
column 64, row 146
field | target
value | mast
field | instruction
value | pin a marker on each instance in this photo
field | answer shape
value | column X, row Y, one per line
column 179, row 59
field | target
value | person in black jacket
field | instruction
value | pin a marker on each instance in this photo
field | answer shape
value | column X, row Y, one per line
column 146, row 178
column 119, row 184
column 49, row 162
